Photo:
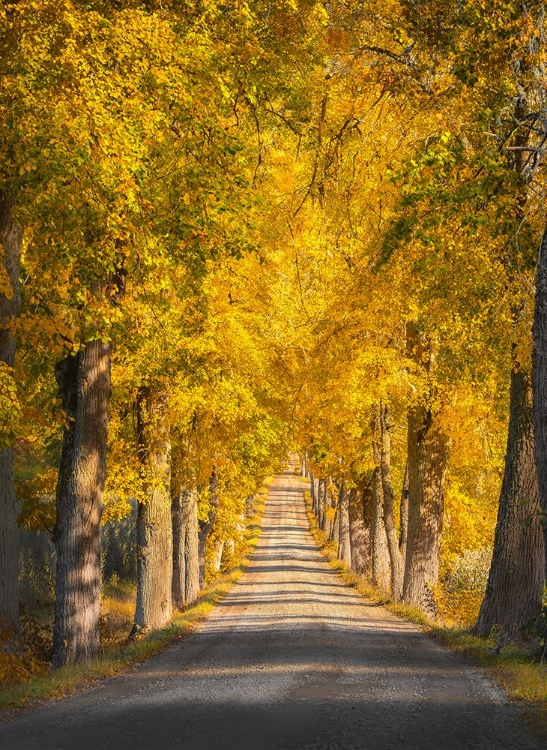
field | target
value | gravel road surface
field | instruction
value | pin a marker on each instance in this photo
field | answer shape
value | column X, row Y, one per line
column 291, row 659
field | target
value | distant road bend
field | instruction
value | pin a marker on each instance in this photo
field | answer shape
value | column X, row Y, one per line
column 291, row 659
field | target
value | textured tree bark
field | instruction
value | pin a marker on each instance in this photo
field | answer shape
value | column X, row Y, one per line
column 84, row 387
column 344, row 540
column 515, row 582
column 360, row 524
column 179, row 560
column 381, row 570
column 403, row 515
column 313, row 493
column 322, row 500
column 335, row 515
column 205, row 527
column 539, row 381
column 184, row 516
column 10, row 239
column 427, row 460
column 517, row 572
column 217, row 552
column 381, row 567
column 388, row 505
column 191, row 551
column 154, row 526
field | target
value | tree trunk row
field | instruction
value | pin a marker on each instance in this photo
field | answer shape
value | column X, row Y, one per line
column 84, row 387
column 402, row 561
column 184, row 511
column 168, row 554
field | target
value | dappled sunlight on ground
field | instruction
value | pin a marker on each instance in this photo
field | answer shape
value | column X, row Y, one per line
column 292, row 659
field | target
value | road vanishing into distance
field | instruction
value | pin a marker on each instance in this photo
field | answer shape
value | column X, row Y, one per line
column 291, row 659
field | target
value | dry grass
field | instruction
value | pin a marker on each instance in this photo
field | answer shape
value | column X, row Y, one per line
column 117, row 610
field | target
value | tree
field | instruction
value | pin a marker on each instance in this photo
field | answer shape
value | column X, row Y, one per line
column 10, row 242
column 381, row 568
column 344, row 538
column 396, row 560
column 360, row 523
column 184, row 513
column 515, row 583
column 154, row 526
column 539, row 381
column 84, row 386
column 427, row 461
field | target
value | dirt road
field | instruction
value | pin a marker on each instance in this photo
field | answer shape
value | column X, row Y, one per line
column 292, row 659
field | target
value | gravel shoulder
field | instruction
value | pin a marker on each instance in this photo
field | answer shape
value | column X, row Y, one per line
column 291, row 659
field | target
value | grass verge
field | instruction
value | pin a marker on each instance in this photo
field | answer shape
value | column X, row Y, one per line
column 118, row 658
column 513, row 668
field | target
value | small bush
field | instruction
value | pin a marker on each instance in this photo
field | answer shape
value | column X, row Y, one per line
column 460, row 592
column 470, row 571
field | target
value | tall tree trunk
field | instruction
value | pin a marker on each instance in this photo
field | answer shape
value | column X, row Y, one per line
column 360, row 525
column 10, row 240
column 205, row 527
column 344, row 540
column 515, row 583
column 539, row 382
column 185, row 548
column 313, row 494
column 403, row 515
column 427, row 460
column 319, row 504
column 322, row 499
column 216, row 557
column 191, row 550
column 84, row 386
column 381, row 567
column 517, row 572
column 388, row 505
column 334, row 515
column 179, row 560
column 154, row 526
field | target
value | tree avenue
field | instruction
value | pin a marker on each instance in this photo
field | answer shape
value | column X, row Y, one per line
column 230, row 232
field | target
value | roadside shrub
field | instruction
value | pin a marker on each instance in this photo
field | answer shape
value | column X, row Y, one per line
column 460, row 592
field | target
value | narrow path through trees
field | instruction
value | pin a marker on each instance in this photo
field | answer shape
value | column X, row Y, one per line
column 291, row 658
